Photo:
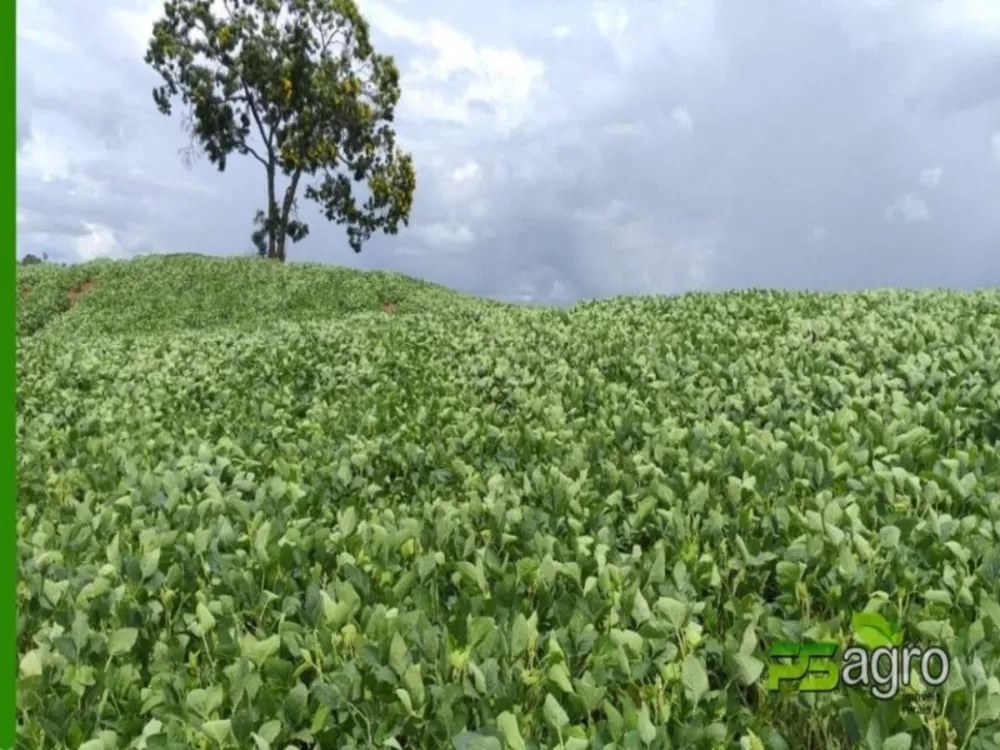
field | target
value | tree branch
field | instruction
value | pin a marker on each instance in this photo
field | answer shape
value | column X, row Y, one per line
column 267, row 138
column 250, row 150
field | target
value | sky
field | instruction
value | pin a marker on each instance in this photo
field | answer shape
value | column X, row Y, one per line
column 570, row 150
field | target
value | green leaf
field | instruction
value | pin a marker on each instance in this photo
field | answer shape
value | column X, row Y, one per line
column 404, row 698
column 398, row 654
column 749, row 668
column 520, row 635
column 507, row 724
column 219, row 730
column 988, row 709
column 990, row 608
column 695, row 679
column 31, row 664
column 640, row 608
column 336, row 613
column 150, row 563
column 788, row 573
column 319, row 719
column 270, row 730
column 205, row 701
column 647, row 732
column 676, row 611
column 413, row 681
column 476, row 741
column 900, row 741
column 260, row 651
column 206, row 620
column 560, row 676
column 54, row 591
column 554, row 713
column 890, row 536
column 872, row 630
column 260, row 540
column 348, row 520
column 122, row 641
column 297, row 704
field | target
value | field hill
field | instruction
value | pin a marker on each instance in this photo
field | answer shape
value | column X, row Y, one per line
column 160, row 293
column 266, row 506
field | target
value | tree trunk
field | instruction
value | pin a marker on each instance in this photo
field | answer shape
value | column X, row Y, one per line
column 286, row 211
column 272, row 223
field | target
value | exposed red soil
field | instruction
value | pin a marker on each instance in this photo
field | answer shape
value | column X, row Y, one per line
column 78, row 291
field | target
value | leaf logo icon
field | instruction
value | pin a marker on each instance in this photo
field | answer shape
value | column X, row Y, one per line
column 872, row 630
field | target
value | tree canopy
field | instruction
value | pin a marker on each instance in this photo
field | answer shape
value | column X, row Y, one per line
column 296, row 85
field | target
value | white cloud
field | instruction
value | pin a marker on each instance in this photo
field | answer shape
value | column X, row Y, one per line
column 636, row 256
column 37, row 24
column 501, row 78
column 625, row 129
column 700, row 256
column 52, row 155
column 408, row 251
column 45, row 156
column 995, row 146
column 469, row 171
column 817, row 234
column 137, row 23
column 682, row 118
column 980, row 18
column 615, row 211
column 610, row 17
column 445, row 234
column 909, row 208
column 562, row 32
column 931, row 177
column 98, row 242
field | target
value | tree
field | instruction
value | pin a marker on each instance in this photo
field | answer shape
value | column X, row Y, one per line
column 296, row 85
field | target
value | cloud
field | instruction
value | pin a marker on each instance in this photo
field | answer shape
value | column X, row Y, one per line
column 499, row 80
column 682, row 117
column 978, row 18
column 909, row 208
column 931, row 176
column 574, row 150
column 446, row 234
column 98, row 241
column 611, row 19
column 468, row 172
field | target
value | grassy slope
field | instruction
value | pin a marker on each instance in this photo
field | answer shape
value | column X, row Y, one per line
column 410, row 464
column 191, row 292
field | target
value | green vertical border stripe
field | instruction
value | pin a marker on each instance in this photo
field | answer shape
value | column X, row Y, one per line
column 8, row 448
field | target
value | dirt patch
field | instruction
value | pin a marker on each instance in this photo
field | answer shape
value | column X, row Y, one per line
column 389, row 307
column 78, row 291
column 25, row 292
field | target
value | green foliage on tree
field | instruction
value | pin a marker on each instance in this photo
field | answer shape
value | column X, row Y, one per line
column 297, row 85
